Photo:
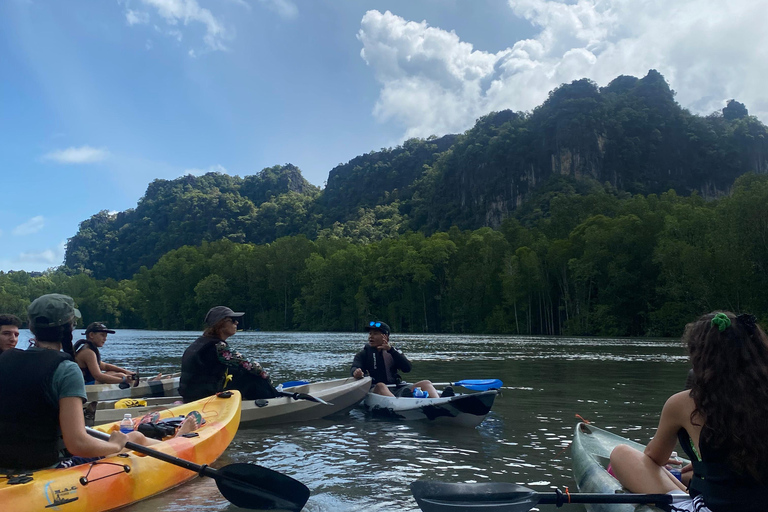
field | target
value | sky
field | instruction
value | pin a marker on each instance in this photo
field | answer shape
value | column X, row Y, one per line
column 100, row 97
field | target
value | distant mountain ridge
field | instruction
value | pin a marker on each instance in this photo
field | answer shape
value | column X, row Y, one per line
column 630, row 134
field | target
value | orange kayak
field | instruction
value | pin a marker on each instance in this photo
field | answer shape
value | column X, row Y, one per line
column 120, row 480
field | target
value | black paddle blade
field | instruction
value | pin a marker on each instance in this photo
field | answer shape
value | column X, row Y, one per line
column 256, row 487
column 456, row 497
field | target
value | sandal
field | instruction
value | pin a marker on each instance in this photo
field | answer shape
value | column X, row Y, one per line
column 193, row 421
column 152, row 417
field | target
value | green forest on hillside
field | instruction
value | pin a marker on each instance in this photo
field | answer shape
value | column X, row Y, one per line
column 597, row 262
column 604, row 211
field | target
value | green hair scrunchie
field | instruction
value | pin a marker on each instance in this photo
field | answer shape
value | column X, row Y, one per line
column 722, row 321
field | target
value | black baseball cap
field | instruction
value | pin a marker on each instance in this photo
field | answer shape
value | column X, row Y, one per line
column 379, row 326
column 97, row 327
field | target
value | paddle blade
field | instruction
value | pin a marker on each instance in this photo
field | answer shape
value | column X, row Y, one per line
column 257, row 487
column 480, row 384
column 457, row 497
column 293, row 383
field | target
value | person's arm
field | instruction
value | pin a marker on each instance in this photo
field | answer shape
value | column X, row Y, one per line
column 401, row 362
column 76, row 439
column 234, row 359
column 660, row 448
column 107, row 367
column 88, row 359
column 358, row 365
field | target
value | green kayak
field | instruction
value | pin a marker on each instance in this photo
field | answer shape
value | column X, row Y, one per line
column 590, row 453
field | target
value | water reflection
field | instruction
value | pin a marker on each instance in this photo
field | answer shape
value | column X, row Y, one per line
column 356, row 463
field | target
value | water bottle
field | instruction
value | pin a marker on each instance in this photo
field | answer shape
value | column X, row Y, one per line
column 126, row 425
column 675, row 469
column 418, row 393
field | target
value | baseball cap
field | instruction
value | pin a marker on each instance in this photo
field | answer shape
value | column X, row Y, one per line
column 379, row 326
column 97, row 327
column 52, row 310
column 218, row 313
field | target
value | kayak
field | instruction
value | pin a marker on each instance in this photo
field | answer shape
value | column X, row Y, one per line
column 467, row 410
column 590, row 454
column 120, row 480
column 162, row 387
column 340, row 394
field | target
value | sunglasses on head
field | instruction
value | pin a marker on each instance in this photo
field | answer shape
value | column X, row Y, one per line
column 374, row 324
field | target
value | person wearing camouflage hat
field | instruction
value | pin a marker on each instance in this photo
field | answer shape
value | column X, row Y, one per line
column 34, row 417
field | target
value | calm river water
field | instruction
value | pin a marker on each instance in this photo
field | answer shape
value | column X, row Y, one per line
column 353, row 463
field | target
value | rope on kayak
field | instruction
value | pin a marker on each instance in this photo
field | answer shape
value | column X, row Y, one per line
column 568, row 494
column 587, row 422
column 125, row 468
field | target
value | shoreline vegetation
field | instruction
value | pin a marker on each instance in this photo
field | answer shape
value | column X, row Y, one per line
column 602, row 264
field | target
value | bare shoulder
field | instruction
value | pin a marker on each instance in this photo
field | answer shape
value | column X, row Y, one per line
column 680, row 405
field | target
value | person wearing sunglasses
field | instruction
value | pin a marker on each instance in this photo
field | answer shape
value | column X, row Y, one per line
column 382, row 362
column 209, row 364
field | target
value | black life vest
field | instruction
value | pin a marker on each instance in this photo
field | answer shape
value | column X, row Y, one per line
column 87, row 376
column 29, row 421
column 372, row 360
column 202, row 374
column 723, row 489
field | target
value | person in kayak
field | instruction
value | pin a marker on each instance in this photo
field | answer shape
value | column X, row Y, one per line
column 720, row 422
column 43, row 394
column 382, row 361
column 209, row 364
column 9, row 332
column 88, row 358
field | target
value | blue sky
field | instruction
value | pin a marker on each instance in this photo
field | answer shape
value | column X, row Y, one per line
column 98, row 98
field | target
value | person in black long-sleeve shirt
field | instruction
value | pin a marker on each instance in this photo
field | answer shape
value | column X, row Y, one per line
column 382, row 361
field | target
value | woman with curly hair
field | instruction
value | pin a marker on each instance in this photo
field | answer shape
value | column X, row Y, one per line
column 209, row 364
column 721, row 422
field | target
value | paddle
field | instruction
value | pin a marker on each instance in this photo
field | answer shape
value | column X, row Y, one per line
column 504, row 497
column 304, row 396
column 474, row 384
column 243, row 485
column 292, row 383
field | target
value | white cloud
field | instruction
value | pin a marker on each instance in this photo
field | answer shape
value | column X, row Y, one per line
column 184, row 13
column 136, row 17
column 200, row 172
column 48, row 257
column 33, row 225
column 434, row 83
column 81, row 155
column 284, row 8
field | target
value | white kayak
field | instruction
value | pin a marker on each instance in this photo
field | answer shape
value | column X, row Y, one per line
column 145, row 388
column 467, row 410
column 590, row 454
column 339, row 394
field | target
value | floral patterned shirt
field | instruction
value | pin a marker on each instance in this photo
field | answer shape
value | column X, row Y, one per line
column 233, row 358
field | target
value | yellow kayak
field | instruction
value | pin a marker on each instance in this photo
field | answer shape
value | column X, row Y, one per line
column 120, row 480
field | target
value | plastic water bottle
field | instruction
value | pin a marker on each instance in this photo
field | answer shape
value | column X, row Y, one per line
column 675, row 469
column 418, row 393
column 126, row 425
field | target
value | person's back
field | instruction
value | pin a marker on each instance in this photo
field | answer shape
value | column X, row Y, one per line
column 29, row 434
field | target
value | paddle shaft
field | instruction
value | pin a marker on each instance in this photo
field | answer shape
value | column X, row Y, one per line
column 303, row 396
column 560, row 498
column 197, row 468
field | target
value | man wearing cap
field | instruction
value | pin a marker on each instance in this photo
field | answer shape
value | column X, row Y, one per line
column 209, row 365
column 382, row 362
column 41, row 406
column 88, row 358
column 9, row 331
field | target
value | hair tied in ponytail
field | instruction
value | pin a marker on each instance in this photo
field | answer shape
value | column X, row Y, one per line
column 722, row 321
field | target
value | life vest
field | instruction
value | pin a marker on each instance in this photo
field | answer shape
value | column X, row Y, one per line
column 372, row 360
column 202, row 374
column 723, row 489
column 87, row 376
column 29, row 421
